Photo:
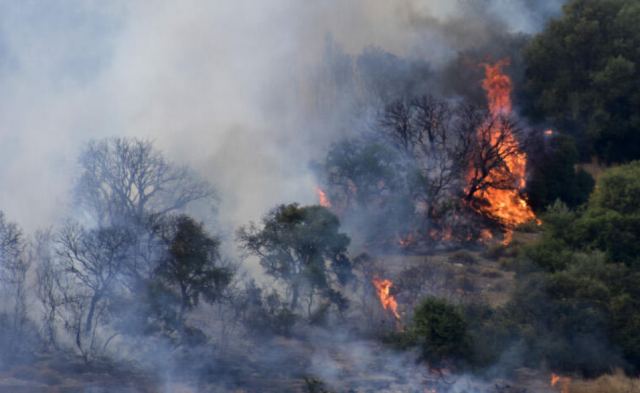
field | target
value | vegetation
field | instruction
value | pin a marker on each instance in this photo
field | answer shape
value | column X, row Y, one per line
column 440, row 330
column 141, row 270
column 553, row 175
column 301, row 247
column 583, row 74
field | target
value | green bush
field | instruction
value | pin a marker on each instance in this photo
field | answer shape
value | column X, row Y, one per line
column 440, row 330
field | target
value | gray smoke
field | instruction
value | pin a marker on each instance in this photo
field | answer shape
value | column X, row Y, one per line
column 224, row 86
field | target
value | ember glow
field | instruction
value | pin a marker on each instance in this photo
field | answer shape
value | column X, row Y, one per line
column 407, row 240
column 504, row 205
column 387, row 300
column 323, row 199
column 562, row 382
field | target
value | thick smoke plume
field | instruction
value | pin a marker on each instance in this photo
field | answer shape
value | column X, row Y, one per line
column 223, row 86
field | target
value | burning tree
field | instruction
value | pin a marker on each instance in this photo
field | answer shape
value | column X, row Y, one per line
column 497, row 175
column 453, row 163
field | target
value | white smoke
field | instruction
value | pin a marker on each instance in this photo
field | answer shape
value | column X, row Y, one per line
column 216, row 84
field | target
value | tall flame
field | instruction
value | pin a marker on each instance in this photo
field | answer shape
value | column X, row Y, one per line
column 323, row 199
column 388, row 301
column 505, row 205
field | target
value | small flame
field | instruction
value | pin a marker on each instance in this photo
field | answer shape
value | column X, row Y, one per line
column 548, row 132
column 562, row 382
column 323, row 199
column 406, row 241
column 387, row 300
column 485, row 235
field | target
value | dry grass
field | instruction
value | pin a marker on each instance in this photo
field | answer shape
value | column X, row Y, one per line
column 613, row 383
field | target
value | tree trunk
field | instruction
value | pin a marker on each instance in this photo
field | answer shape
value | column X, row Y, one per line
column 90, row 314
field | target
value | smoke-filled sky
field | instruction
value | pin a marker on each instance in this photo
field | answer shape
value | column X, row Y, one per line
column 216, row 84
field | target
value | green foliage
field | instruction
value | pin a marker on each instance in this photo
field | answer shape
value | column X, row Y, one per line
column 265, row 314
column 368, row 183
column 190, row 270
column 554, row 176
column 361, row 170
column 491, row 335
column 577, row 306
column 583, row 73
column 618, row 190
column 303, row 249
column 612, row 220
column 440, row 330
column 567, row 317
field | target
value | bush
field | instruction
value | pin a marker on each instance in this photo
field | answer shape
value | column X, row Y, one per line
column 440, row 330
column 554, row 176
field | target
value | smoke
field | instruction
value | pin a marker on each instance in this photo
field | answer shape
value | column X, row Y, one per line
column 222, row 86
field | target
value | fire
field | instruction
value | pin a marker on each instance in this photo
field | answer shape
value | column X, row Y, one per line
column 562, row 382
column 388, row 301
column 504, row 205
column 485, row 235
column 323, row 199
column 407, row 240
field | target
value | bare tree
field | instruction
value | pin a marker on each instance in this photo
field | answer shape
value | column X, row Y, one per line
column 457, row 152
column 13, row 270
column 488, row 158
column 92, row 262
column 424, row 128
column 124, row 179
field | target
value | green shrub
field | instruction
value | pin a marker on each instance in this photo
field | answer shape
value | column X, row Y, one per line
column 440, row 330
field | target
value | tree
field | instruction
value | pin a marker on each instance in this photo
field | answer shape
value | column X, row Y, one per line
column 456, row 153
column 361, row 172
column 554, row 176
column 93, row 264
column 611, row 222
column 441, row 331
column 125, row 180
column 14, row 266
column 583, row 74
column 48, row 285
column 191, row 268
column 301, row 247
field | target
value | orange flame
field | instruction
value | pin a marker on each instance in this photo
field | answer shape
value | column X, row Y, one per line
column 563, row 382
column 486, row 234
column 407, row 240
column 323, row 199
column 388, row 301
column 505, row 205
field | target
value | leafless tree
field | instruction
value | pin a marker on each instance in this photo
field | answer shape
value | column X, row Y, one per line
column 92, row 262
column 456, row 150
column 124, row 179
column 13, row 270
column 424, row 128
column 488, row 158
